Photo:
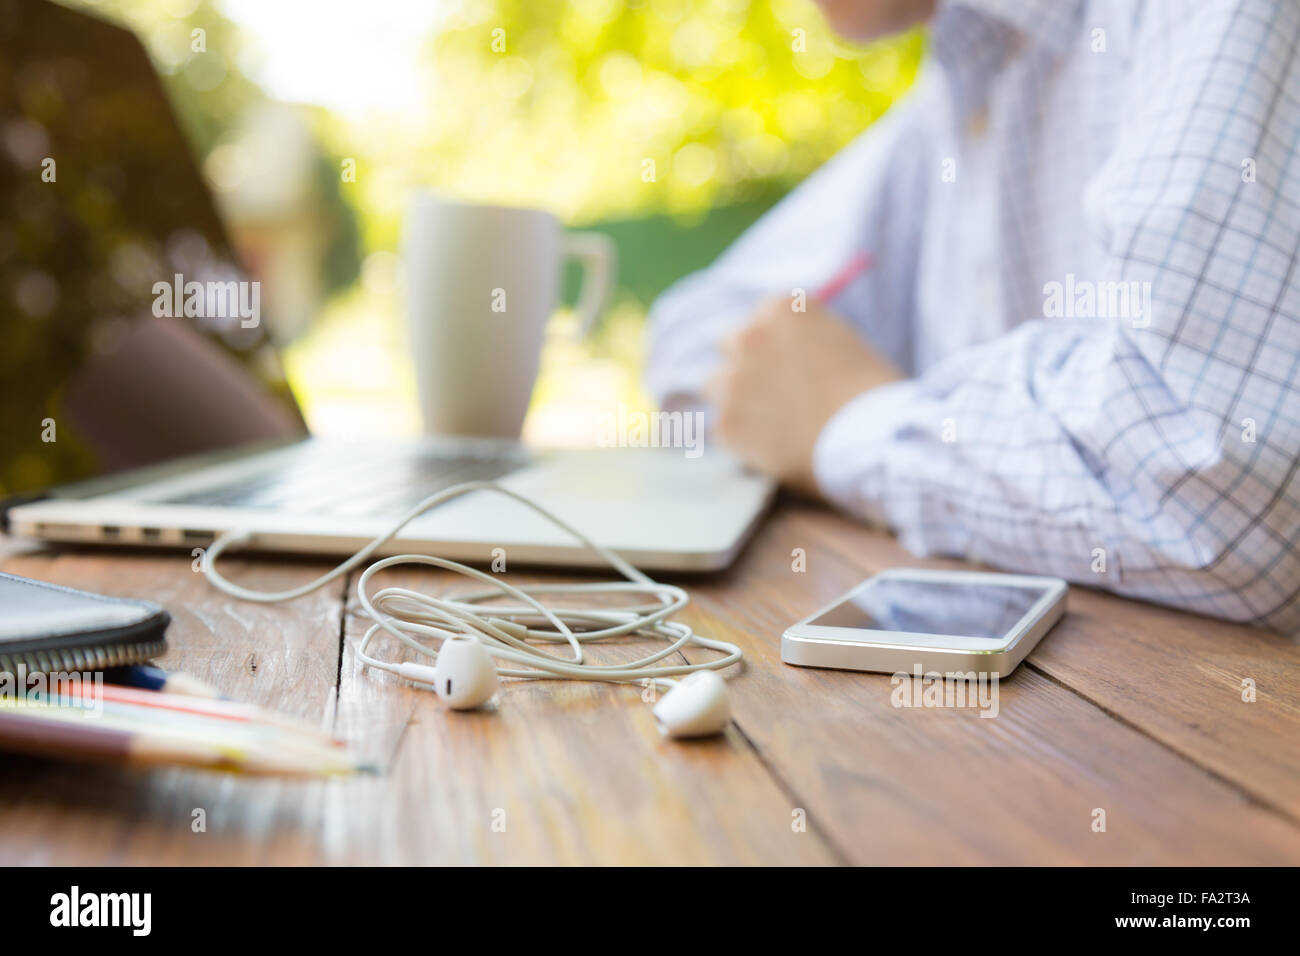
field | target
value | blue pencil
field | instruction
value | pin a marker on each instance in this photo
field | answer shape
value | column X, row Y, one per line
column 149, row 677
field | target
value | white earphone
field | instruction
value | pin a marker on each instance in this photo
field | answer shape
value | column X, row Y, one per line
column 476, row 635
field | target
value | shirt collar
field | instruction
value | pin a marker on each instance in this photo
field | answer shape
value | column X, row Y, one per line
column 1049, row 23
column 973, row 39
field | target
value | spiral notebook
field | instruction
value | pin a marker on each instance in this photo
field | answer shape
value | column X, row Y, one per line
column 47, row 627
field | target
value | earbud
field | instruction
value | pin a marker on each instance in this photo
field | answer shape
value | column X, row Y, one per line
column 465, row 676
column 465, row 671
column 696, row 707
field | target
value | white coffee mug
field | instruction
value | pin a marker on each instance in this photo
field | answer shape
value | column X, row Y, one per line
column 481, row 283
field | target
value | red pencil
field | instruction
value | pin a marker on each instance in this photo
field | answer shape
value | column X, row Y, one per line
column 855, row 267
column 205, row 707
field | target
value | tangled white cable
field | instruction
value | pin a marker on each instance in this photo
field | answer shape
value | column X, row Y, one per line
column 474, row 632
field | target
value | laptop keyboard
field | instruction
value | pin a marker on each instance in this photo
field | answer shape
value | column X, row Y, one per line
column 340, row 481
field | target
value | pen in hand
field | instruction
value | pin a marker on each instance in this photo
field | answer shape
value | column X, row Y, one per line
column 856, row 266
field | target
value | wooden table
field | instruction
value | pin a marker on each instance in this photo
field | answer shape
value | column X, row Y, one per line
column 1125, row 707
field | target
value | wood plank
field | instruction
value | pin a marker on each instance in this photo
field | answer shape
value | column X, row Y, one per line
column 1176, row 676
column 579, row 770
column 1180, row 678
column 583, row 777
column 896, row 785
column 576, row 773
column 285, row 657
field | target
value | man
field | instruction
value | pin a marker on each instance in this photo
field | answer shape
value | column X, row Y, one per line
column 1077, row 351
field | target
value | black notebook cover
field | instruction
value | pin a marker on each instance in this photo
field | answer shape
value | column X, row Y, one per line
column 46, row 627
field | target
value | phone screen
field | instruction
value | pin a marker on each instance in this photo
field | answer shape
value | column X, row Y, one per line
column 932, row 607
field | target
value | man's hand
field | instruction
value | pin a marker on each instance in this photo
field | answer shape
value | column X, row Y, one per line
column 783, row 376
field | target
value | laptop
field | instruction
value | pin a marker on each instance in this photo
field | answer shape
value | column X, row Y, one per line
column 124, row 427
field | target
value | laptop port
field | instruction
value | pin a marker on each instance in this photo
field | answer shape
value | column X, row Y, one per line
column 110, row 531
column 191, row 535
column 150, row 534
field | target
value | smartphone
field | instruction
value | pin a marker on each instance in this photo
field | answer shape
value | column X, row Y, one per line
column 939, row 621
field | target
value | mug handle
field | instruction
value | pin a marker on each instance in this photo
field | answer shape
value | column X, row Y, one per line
column 596, row 252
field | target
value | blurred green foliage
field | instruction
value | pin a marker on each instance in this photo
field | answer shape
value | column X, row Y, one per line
column 669, row 124
column 596, row 109
column 602, row 108
column 202, row 57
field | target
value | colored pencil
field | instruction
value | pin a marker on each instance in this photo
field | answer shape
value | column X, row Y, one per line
column 149, row 677
column 122, row 732
column 837, row 283
column 222, row 709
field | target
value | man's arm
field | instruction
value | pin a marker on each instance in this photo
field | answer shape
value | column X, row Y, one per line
column 1155, row 456
column 871, row 196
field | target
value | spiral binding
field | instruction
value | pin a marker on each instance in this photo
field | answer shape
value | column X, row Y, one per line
column 82, row 658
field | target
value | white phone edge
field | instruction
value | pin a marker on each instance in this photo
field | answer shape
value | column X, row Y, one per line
column 802, row 645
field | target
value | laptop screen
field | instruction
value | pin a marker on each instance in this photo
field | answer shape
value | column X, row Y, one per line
column 128, row 333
